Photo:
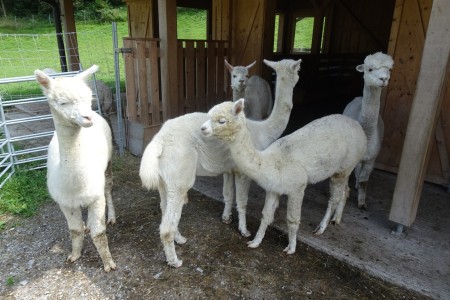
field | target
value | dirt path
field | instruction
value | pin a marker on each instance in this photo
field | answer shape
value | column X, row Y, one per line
column 216, row 261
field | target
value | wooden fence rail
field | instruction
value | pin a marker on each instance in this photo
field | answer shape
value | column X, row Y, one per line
column 202, row 83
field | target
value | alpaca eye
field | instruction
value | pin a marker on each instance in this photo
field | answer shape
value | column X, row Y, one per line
column 370, row 70
column 246, row 76
column 234, row 76
column 222, row 121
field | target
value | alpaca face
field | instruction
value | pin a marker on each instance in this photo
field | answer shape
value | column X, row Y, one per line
column 377, row 69
column 225, row 120
column 239, row 75
column 286, row 69
column 69, row 98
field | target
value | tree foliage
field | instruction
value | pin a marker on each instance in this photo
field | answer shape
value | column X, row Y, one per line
column 27, row 8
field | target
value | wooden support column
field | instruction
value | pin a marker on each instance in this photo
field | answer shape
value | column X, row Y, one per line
column 71, row 42
column 167, row 12
column 423, row 117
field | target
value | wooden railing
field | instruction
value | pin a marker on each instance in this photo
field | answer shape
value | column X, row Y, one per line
column 202, row 80
column 202, row 83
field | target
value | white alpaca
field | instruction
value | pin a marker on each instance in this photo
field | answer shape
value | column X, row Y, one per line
column 79, row 170
column 179, row 152
column 329, row 147
column 377, row 71
column 255, row 90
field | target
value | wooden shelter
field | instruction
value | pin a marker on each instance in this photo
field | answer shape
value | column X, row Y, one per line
column 167, row 77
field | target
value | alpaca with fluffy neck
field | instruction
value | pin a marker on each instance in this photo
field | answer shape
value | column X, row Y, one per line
column 255, row 90
column 329, row 147
column 377, row 71
column 79, row 170
column 179, row 152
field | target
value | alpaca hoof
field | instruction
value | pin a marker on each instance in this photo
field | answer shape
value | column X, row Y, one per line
column 109, row 266
column 176, row 264
column 111, row 221
column 253, row 244
column 246, row 233
column 180, row 240
column 319, row 230
column 87, row 230
column 226, row 220
column 288, row 250
column 362, row 206
column 73, row 257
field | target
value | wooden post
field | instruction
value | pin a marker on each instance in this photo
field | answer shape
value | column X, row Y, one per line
column 73, row 58
column 423, row 117
column 167, row 12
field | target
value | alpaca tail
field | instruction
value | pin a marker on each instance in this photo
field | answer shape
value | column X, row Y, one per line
column 149, row 170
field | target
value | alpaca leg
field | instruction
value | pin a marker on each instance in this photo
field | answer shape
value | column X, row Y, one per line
column 242, row 187
column 357, row 172
column 228, row 196
column 96, row 222
column 338, row 191
column 270, row 205
column 294, row 211
column 76, row 228
column 168, row 229
column 179, row 239
column 364, row 174
column 108, row 194
column 337, row 216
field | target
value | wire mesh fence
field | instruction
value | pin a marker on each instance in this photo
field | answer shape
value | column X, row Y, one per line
column 25, row 121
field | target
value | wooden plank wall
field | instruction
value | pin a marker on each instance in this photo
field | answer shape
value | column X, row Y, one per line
column 360, row 26
column 142, row 81
column 202, row 80
column 247, row 33
column 140, row 19
column 221, row 25
column 406, row 44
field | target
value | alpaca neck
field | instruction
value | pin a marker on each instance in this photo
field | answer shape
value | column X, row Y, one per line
column 279, row 117
column 238, row 94
column 249, row 160
column 370, row 108
column 68, row 141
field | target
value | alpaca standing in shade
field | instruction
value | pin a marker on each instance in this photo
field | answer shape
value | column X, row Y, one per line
column 255, row 90
column 377, row 71
column 329, row 147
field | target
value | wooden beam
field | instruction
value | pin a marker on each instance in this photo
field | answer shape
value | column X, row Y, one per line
column 71, row 42
column 167, row 12
column 423, row 117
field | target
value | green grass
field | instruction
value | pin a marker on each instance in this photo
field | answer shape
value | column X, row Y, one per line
column 23, row 193
column 10, row 281
column 191, row 23
column 36, row 48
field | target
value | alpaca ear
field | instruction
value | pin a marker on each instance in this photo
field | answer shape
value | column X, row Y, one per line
column 43, row 79
column 229, row 67
column 296, row 65
column 238, row 107
column 360, row 68
column 86, row 73
column 251, row 65
column 270, row 63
